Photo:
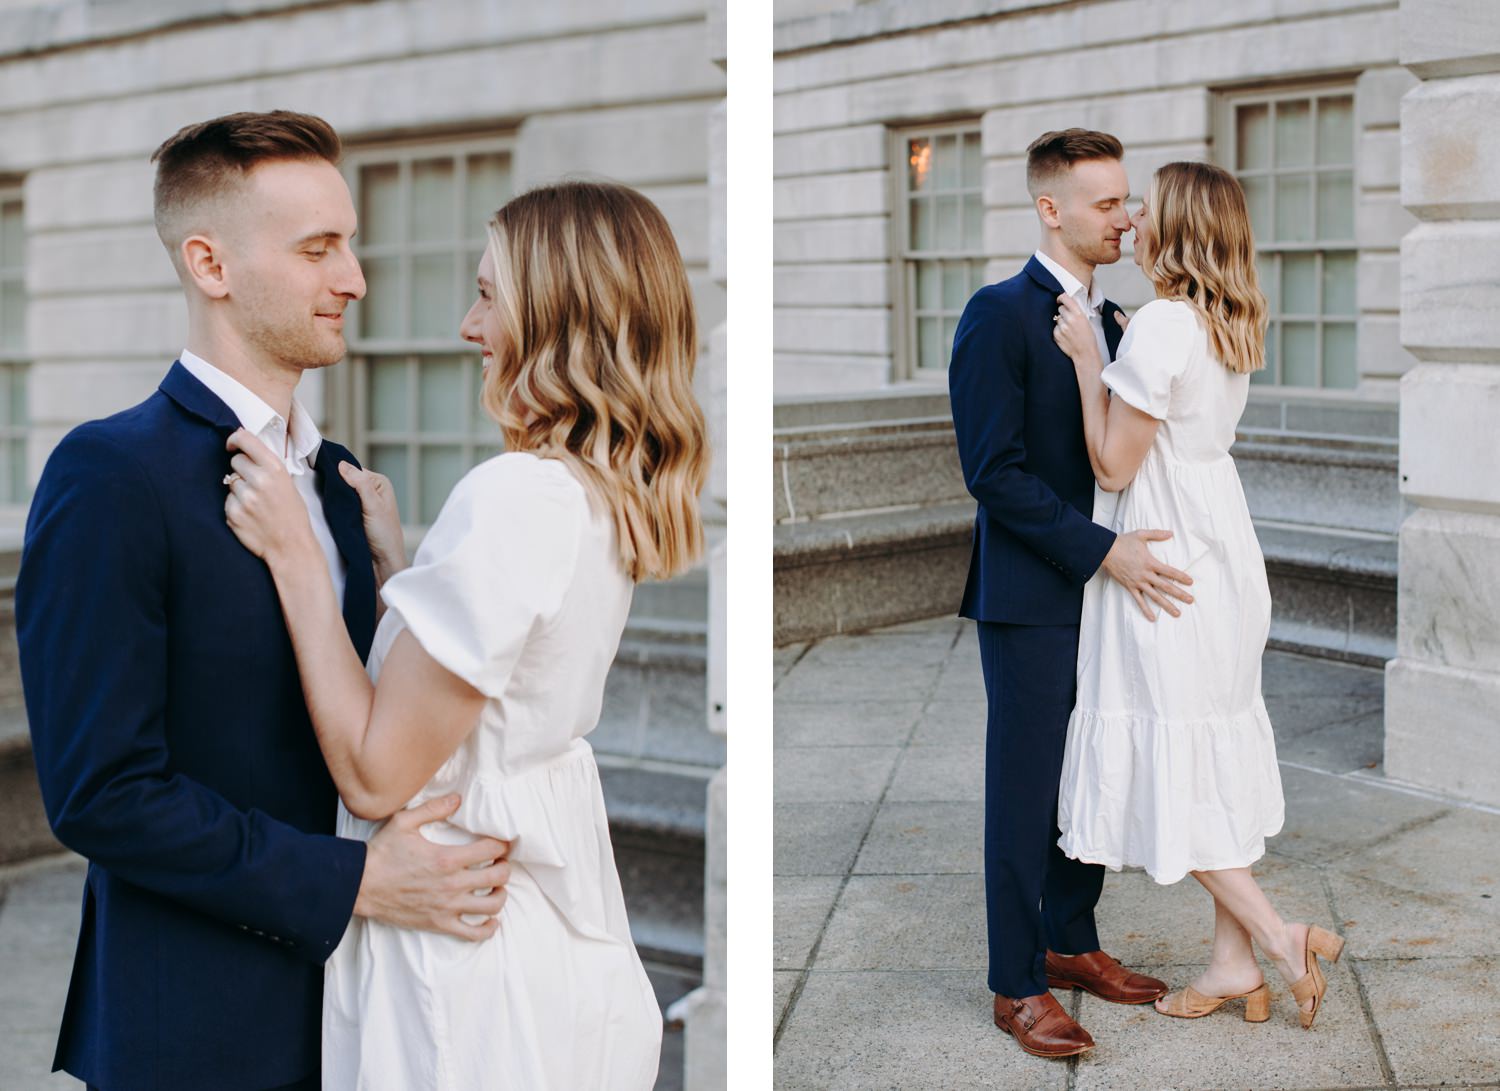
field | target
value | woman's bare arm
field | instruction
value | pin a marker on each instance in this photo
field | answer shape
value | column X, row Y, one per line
column 381, row 744
column 1117, row 434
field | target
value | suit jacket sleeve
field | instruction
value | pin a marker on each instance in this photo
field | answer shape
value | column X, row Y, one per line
column 91, row 623
column 986, row 382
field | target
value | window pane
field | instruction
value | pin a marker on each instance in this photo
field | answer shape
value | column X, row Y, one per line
column 930, row 344
column 1336, row 130
column 434, row 298
column 1336, row 205
column 441, row 469
column 1339, row 283
column 12, row 317
column 441, row 395
column 1293, row 134
column 955, row 285
column 947, row 223
column 976, row 276
column 1253, row 137
column 19, row 490
column 1265, row 266
column 480, row 422
column 918, row 164
column 1293, row 209
column 1340, row 363
column 432, row 197
column 921, row 225
column 388, row 410
column 380, row 204
column 950, row 327
column 1300, row 344
column 380, row 310
column 19, row 416
column 390, row 459
column 929, row 289
column 946, row 175
column 1258, row 199
column 12, row 235
column 973, row 162
column 488, row 188
column 1299, row 284
column 973, row 238
column 1266, row 376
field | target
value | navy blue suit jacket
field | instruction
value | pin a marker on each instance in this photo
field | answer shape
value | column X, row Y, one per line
column 1019, row 424
column 175, row 752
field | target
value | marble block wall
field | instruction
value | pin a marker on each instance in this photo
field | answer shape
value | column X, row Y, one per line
column 1443, row 688
column 848, row 77
column 706, row 1021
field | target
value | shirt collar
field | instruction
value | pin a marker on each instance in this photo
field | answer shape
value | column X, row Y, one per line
column 256, row 416
column 1091, row 300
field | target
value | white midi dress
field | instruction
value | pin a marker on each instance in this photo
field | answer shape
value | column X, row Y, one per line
column 1170, row 763
column 517, row 589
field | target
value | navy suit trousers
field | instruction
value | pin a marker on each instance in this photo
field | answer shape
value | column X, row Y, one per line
column 1036, row 897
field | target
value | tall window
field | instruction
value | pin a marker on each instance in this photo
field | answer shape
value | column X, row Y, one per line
column 1294, row 154
column 940, row 244
column 412, row 393
column 14, row 418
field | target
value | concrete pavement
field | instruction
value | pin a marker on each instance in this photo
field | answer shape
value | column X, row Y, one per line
column 879, row 896
column 38, row 930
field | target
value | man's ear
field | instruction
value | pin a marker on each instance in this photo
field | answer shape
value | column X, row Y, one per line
column 201, row 260
column 1046, row 208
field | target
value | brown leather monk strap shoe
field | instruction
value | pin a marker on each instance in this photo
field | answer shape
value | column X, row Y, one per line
column 1101, row 975
column 1041, row 1026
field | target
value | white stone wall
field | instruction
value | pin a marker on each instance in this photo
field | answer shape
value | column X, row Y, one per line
column 1443, row 689
column 706, row 1022
column 585, row 86
column 846, row 77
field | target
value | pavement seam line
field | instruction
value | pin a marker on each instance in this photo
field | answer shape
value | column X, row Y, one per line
column 1404, row 828
column 1361, row 776
column 812, row 955
column 1376, row 1038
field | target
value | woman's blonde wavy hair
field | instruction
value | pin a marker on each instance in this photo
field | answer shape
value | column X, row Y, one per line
column 1203, row 253
column 595, row 366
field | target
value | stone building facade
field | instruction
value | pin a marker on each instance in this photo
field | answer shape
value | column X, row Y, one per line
column 900, row 137
column 446, row 108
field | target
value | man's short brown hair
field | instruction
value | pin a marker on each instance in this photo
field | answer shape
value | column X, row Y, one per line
column 199, row 161
column 1052, row 153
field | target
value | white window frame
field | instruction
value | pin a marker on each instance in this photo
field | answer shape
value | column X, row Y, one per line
column 15, row 364
column 1229, row 104
column 349, row 388
column 905, row 260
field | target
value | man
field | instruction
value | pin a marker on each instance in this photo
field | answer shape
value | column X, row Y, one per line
column 1019, row 424
column 171, row 738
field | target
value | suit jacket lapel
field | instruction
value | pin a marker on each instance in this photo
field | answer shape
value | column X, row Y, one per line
column 183, row 388
column 1112, row 330
column 346, row 524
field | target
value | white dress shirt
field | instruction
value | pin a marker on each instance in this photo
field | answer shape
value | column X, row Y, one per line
column 1091, row 299
column 297, row 443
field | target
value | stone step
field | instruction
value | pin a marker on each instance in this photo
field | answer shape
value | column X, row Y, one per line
column 1340, row 483
column 839, row 468
column 1333, row 593
column 862, row 571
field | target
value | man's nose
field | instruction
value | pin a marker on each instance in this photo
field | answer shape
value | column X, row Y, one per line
column 351, row 279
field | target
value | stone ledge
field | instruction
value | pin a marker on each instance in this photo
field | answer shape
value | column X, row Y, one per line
column 822, row 541
column 1332, row 595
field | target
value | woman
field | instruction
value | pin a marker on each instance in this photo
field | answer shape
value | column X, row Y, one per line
column 492, row 653
column 1170, row 762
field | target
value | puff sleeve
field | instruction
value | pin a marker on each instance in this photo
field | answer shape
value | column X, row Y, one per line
column 493, row 568
column 1153, row 355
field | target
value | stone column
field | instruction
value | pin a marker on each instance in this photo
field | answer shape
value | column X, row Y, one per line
column 705, row 1064
column 1443, row 688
